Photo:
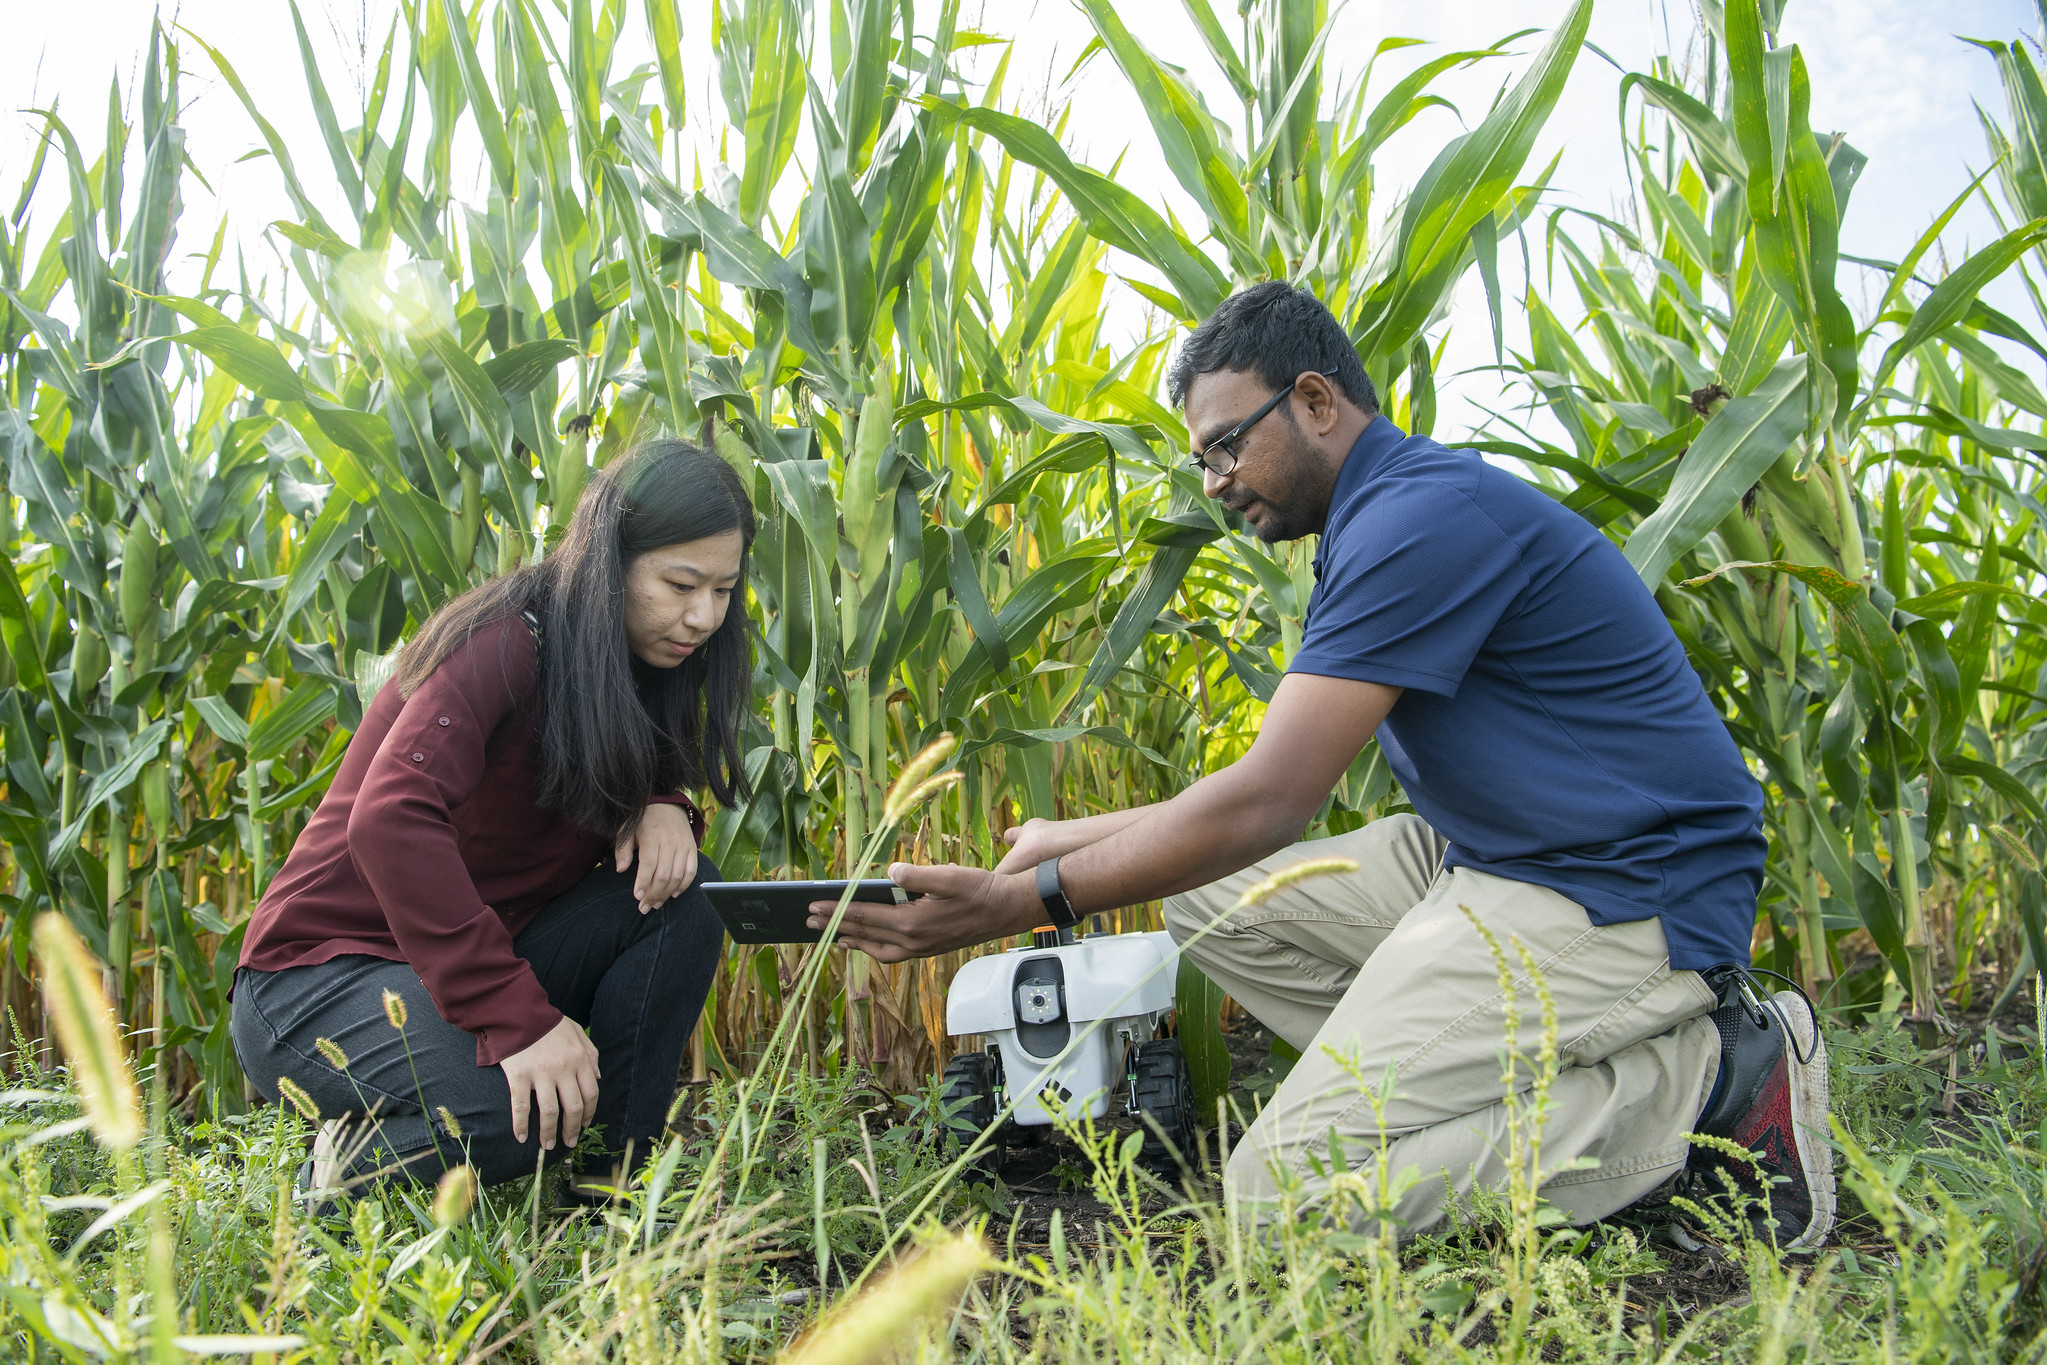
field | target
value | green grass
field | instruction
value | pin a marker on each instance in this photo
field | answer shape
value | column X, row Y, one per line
column 1938, row 1256
column 169, row 722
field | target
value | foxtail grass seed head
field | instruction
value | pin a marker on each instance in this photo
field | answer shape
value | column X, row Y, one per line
column 1268, row 887
column 86, row 1031
column 455, row 1196
column 450, row 1122
column 925, row 790
column 2013, row 846
column 877, row 1325
column 300, row 1100
column 331, row 1050
column 394, row 1009
column 902, row 797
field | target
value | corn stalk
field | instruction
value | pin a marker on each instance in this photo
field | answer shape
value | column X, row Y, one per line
column 231, row 497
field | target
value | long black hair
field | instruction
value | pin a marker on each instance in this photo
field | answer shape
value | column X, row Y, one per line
column 611, row 730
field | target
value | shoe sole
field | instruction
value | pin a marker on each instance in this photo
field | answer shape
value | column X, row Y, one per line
column 1809, row 1119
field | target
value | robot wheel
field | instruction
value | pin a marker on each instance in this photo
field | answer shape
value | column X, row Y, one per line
column 1163, row 1102
column 973, row 1097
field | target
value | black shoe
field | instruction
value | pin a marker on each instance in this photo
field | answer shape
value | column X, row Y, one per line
column 1771, row 1100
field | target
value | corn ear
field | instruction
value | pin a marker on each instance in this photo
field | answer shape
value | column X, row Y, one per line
column 572, row 468
column 138, row 576
column 89, row 660
column 156, row 798
column 867, row 513
column 469, row 521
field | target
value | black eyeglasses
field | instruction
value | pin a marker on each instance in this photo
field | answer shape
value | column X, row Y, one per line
column 1226, row 464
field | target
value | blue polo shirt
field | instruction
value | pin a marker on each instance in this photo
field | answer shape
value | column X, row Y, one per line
column 1551, row 728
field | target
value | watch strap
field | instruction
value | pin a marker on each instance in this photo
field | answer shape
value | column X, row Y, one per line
column 1058, row 909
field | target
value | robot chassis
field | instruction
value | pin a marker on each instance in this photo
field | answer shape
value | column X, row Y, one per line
column 1116, row 992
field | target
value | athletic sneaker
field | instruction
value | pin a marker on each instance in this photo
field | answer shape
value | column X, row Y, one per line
column 1771, row 1098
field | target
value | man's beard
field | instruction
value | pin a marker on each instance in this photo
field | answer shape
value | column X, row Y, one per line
column 1283, row 522
column 1295, row 512
column 1285, row 518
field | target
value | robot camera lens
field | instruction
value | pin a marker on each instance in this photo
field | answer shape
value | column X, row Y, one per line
column 1037, row 1001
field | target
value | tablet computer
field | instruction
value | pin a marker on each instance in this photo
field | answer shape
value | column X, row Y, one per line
column 778, row 912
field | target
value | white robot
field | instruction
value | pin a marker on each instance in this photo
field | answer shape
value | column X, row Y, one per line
column 1115, row 993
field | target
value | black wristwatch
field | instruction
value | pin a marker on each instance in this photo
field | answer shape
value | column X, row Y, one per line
column 1058, row 909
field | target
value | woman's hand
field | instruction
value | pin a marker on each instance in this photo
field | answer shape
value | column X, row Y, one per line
column 1033, row 841
column 667, row 850
column 560, row 1073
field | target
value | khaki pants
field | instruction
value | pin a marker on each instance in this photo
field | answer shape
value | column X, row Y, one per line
column 1381, row 968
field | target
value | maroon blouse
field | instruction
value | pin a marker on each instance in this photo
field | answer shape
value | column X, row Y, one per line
column 428, row 848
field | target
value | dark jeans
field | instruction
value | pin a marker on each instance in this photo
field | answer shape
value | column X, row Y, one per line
column 636, row 982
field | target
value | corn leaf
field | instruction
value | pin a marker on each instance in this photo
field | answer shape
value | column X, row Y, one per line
column 1736, row 445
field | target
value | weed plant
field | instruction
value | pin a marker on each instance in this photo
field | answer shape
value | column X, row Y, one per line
column 1939, row 1257
column 758, row 1227
column 226, row 508
column 875, row 284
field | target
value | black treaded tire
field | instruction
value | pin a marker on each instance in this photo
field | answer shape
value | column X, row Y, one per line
column 1165, row 1106
column 971, row 1083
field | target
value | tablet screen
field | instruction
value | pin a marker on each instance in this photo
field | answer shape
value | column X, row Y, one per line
column 779, row 912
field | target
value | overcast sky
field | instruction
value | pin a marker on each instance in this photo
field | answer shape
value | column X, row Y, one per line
column 1892, row 74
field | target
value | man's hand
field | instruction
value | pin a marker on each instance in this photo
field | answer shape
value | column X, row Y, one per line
column 1228, row 820
column 957, row 907
column 667, row 850
column 560, row 1072
column 1312, row 730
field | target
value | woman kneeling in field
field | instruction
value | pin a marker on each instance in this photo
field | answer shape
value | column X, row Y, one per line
column 490, row 938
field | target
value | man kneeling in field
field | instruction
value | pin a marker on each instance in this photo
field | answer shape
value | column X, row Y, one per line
column 1574, row 791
